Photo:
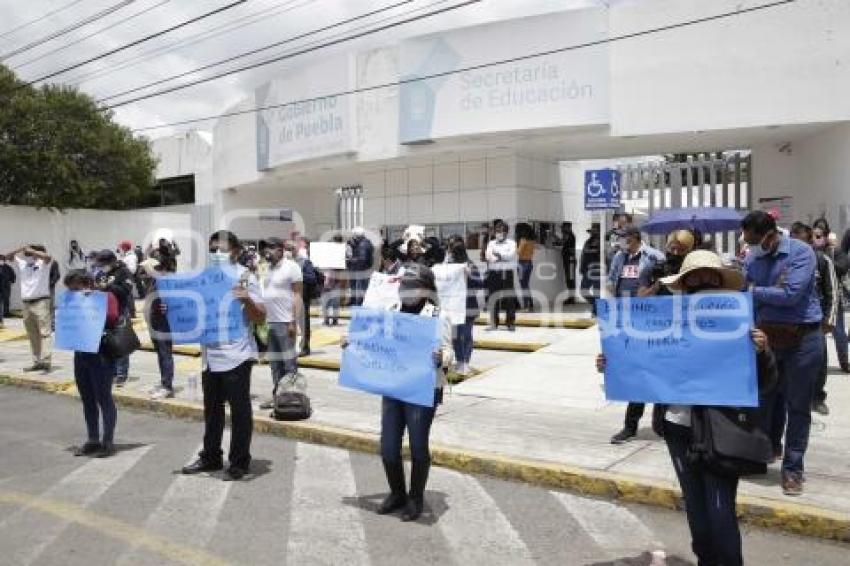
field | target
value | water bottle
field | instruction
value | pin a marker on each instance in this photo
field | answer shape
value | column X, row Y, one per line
column 193, row 386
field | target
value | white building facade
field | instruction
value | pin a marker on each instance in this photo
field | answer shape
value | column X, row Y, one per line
column 482, row 140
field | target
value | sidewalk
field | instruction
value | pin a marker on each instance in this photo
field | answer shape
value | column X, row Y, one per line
column 539, row 417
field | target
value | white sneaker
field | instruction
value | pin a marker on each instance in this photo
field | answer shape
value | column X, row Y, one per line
column 162, row 393
column 463, row 369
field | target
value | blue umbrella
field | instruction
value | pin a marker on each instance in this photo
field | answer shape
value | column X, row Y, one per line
column 704, row 219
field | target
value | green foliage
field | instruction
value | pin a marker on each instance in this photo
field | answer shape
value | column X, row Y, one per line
column 58, row 150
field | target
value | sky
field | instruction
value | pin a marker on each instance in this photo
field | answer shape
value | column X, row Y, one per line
column 251, row 25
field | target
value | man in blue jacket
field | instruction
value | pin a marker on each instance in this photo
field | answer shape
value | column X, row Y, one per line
column 782, row 274
column 359, row 264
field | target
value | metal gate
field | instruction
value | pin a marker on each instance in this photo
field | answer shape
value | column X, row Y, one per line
column 713, row 180
column 349, row 212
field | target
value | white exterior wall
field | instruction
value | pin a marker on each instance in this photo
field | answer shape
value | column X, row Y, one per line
column 815, row 171
column 446, row 190
column 93, row 229
column 783, row 65
column 187, row 153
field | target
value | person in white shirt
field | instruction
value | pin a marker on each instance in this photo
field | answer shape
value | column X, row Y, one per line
column 34, row 267
column 227, row 367
column 282, row 289
column 501, row 256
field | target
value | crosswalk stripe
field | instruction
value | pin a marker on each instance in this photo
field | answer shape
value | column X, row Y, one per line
column 613, row 527
column 83, row 486
column 318, row 513
column 474, row 525
column 188, row 512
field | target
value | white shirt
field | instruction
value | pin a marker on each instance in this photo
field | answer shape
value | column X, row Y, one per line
column 277, row 290
column 506, row 249
column 35, row 279
column 130, row 261
column 226, row 356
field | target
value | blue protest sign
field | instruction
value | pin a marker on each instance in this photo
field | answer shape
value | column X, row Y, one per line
column 681, row 349
column 200, row 307
column 390, row 353
column 601, row 189
column 80, row 318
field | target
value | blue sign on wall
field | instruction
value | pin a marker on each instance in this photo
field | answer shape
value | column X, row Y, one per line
column 601, row 189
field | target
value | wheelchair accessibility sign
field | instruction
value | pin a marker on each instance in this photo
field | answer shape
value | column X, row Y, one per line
column 601, row 189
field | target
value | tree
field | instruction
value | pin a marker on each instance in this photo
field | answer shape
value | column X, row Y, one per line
column 58, row 150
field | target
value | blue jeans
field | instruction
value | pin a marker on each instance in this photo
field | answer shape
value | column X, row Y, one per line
column 93, row 375
column 165, row 359
column 281, row 352
column 359, row 283
column 463, row 340
column 709, row 504
column 791, row 404
column 840, row 336
column 526, row 267
column 330, row 304
column 395, row 416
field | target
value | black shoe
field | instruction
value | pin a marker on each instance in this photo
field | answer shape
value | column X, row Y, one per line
column 820, row 408
column 416, row 499
column 234, row 473
column 511, row 328
column 413, row 510
column 845, row 367
column 397, row 498
column 393, row 502
column 623, row 436
column 106, row 450
column 34, row 367
column 201, row 465
column 304, row 352
column 89, row 447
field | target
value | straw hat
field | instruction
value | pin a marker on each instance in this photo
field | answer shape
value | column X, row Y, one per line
column 733, row 279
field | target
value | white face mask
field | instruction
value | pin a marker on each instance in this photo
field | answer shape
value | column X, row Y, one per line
column 219, row 258
column 500, row 237
column 302, row 253
column 30, row 260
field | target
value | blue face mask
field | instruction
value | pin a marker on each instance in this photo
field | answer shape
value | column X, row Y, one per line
column 219, row 258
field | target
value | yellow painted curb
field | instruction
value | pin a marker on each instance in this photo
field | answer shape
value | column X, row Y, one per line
column 795, row 518
column 177, row 349
column 507, row 346
column 35, row 383
column 568, row 323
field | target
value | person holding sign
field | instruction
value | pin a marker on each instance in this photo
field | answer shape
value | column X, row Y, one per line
column 226, row 376
column 710, row 484
column 93, row 373
column 418, row 294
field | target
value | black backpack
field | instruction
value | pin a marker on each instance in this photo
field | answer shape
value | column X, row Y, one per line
column 729, row 441
column 291, row 406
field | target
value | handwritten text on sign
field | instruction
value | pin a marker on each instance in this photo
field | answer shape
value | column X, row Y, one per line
column 390, row 353
column 689, row 350
column 201, row 308
column 80, row 318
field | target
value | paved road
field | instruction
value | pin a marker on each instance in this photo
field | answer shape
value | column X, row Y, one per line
column 304, row 505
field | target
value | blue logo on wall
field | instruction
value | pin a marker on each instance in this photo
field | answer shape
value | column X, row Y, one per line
column 601, row 189
column 418, row 98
